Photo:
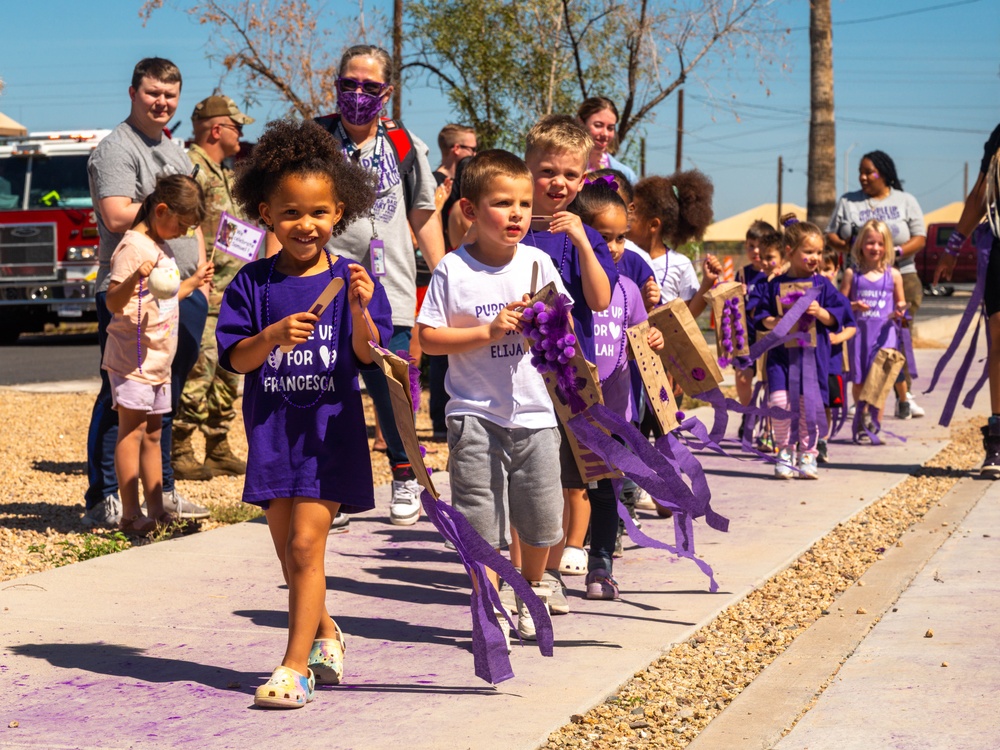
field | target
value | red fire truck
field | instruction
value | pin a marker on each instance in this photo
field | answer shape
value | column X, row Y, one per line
column 48, row 231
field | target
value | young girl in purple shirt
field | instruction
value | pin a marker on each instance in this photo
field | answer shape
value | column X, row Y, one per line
column 308, row 450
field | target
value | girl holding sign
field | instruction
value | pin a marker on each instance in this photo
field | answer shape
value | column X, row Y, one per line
column 797, row 374
column 306, row 433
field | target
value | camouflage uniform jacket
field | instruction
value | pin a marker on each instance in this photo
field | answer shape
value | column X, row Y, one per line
column 216, row 181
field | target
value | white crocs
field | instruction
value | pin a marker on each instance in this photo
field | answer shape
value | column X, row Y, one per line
column 286, row 689
column 573, row 562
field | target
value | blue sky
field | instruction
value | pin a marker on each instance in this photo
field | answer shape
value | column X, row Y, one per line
column 922, row 86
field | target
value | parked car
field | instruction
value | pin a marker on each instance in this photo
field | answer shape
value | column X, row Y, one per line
column 927, row 260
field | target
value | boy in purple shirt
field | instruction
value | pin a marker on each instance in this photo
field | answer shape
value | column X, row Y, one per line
column 557, row 148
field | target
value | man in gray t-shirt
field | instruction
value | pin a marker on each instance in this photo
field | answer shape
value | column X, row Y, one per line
column 123, row 171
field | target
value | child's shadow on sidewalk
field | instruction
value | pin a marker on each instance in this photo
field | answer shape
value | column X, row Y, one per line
column 131, row 662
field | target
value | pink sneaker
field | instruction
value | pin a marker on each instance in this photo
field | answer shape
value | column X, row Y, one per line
column 600, row 585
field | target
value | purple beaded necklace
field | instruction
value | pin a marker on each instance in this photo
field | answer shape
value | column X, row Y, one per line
column 562, row 257
column 266, row 321
column 624, row 337
column 138, row 329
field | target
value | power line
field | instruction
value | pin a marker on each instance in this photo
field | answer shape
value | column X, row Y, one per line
column 901, row 14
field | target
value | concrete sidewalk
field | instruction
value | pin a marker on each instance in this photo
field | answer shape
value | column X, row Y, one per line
column 163, row 645
column 903, row 689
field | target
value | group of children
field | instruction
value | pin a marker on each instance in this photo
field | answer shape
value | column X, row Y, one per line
column 857, row 312
column 609, row 247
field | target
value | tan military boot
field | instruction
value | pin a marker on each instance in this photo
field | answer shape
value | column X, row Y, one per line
column 220, row 460
column 186, row 465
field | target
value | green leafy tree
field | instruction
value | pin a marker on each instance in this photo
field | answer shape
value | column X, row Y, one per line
column 504, row 64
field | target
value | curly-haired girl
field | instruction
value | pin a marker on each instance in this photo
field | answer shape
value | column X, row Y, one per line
column 308, row 450
column 669, row 212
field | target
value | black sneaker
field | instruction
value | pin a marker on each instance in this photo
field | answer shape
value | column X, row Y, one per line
column 991, row 444
column 903, row 410
column 821, row 452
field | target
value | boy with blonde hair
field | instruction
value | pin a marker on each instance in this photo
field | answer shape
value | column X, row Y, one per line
column 502, row 435
column 557, row 149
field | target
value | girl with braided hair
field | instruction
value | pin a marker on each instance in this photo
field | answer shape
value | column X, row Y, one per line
column 882, row 197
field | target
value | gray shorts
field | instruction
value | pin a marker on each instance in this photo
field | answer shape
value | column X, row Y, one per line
column 502, row 477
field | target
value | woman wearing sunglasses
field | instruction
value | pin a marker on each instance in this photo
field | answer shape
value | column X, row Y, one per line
column 404, row 199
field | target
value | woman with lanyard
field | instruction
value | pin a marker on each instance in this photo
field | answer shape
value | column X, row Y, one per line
column 599, row 117
column 382, row 242
column 882, row 197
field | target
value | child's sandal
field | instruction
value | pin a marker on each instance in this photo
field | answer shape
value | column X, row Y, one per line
column 137, row 525
column 286, row 689
column 573, row 562
column 166, row 519
column 326, row 659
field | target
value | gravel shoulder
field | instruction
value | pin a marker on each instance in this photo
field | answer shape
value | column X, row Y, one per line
column 43, row 478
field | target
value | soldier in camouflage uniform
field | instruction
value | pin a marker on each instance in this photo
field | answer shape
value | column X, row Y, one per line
column 207, row 400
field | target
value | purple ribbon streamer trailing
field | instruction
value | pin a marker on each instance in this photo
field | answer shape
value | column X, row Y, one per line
column 782, row 332
column 489, row 646
column 983, row 243
column 658, row 470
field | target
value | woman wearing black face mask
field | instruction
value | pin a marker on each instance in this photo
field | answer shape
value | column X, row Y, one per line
column 397, row 162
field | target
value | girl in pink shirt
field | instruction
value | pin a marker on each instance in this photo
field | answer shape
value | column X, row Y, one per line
column 142, row 338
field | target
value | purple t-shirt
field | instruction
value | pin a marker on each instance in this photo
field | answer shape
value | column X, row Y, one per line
column 764, row 302
column 564, row 254
column 751, row 277
column 634, row 266
column 304, row 420
column 626, row 310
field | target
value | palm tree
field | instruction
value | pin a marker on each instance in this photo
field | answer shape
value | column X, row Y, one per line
column 822, row 185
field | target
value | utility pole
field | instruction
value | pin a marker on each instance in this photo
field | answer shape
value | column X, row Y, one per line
column 397, row 59
column 781, row 172
column 642, row 156
column 680, row 130
column 965, row 182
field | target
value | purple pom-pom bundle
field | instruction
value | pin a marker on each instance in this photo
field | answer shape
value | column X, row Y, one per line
column 551, row 341
column 731, row 330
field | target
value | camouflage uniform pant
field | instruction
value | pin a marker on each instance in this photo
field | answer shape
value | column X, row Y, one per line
column 210, row 390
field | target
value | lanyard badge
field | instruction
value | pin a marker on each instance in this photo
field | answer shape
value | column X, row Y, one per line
column 377, row 249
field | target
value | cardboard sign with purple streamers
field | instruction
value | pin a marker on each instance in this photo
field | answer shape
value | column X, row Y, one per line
column 686, row 355
column 729, row 309
column 489, row 644
column 659, row 393
column 789, row 293
column 570, row 399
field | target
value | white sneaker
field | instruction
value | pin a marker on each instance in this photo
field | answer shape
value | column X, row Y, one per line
column 915, row 409
column 504, row 626
column 405, row 507
column 643, row 501
column 807, row 465
column 525, row 622
column 783, row 469
column 851, row 411
column 341, row 523
column 106, row 514
column 174, row 502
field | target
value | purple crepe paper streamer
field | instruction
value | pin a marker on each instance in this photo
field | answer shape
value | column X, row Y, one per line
column 983, row 242
column 489, row 647
column 657, row 470
column 782, row 332
column 414, row 373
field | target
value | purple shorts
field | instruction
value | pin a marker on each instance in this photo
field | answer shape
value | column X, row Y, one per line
column 152, row 399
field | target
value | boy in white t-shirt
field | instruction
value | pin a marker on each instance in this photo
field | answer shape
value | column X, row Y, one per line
column 502, row 435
